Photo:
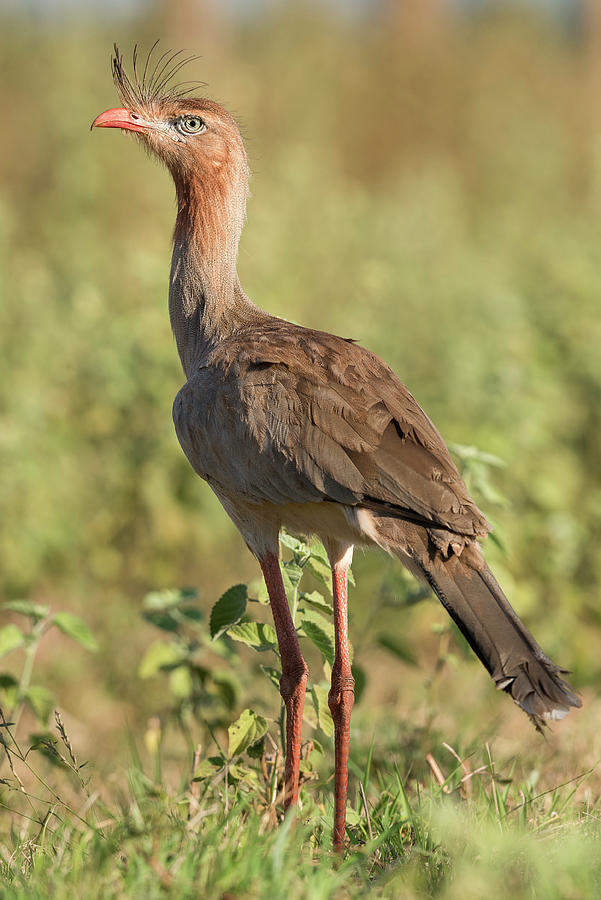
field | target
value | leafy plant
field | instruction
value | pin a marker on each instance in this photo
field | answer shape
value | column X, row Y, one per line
column 18, row 692
column 202, row 665
column 202, row 672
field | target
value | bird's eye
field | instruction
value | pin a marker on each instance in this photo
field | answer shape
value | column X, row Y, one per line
column 190, row 125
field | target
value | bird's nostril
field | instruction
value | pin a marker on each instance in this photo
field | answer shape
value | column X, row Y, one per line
column 133, row 116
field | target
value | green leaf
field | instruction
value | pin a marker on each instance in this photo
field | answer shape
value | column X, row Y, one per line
column 397, row 647
column 160, row 656
column 324, row 621
column 320, row 702
column 164, row 619
column 223, row 648
column 258, row 592
column 294, row 573
column 247, row 730
column 273, row 674
column 26, row 608
column 180, row 682
column 320, row 566
column 320, row 569
column 228, row 610
column 289, row 587
column 256, row 751
column 352, row 816
column 217, row 761
column 498, row 541
column 292, row 543
column 310, row 714
column 305, row 767
column 317, row 601
column 258, row 635
column 11, row 637
column 169, row 598
column 262, row 594
column 318, row 636
column 242, row 773
column 318, row 551
column 466, row 454
column 208, row 768
column 75, row 628
column 9, row 690
column 41, row 701
column 360, row 680
column 192, row 614
column 488, row 491
column 166, row 609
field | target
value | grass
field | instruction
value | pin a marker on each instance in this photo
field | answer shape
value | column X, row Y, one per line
column 478, row 832
column 205, row 818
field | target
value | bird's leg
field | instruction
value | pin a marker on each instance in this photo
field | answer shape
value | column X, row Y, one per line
column 294, row 673
column 342, row 695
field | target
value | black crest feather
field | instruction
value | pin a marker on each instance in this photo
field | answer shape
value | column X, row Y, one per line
column 155, row 84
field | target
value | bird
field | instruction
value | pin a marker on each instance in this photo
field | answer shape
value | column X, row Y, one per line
column 296, row 428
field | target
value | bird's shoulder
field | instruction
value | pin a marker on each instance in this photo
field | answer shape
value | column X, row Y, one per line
column 326, row 372
column 279, row 342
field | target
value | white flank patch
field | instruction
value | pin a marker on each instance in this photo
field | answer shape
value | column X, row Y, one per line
column 556, row 714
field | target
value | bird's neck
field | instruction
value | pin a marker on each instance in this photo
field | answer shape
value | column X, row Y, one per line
column 206, row 302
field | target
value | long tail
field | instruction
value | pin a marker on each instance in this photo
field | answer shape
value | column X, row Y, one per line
column 506, row 648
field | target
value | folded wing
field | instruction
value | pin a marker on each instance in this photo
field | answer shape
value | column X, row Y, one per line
column 292, row 415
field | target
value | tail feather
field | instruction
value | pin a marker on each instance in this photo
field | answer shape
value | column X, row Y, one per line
column 506, row 648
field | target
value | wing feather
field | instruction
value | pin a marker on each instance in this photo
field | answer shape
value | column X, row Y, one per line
column 286, row 414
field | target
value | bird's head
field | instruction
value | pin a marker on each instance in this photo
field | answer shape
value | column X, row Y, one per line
column 195, row 138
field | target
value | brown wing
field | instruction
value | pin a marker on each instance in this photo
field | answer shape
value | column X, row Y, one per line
column 299, row 415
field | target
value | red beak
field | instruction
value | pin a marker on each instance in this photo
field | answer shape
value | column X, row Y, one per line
column 121, row 118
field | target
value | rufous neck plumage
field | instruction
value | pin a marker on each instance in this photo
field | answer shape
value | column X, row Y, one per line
column 206, row 301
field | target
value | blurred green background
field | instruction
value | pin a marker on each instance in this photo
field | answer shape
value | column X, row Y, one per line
column 427, row 180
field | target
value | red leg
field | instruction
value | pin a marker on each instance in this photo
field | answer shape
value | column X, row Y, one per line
column 294, row 673
column 341, row 697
